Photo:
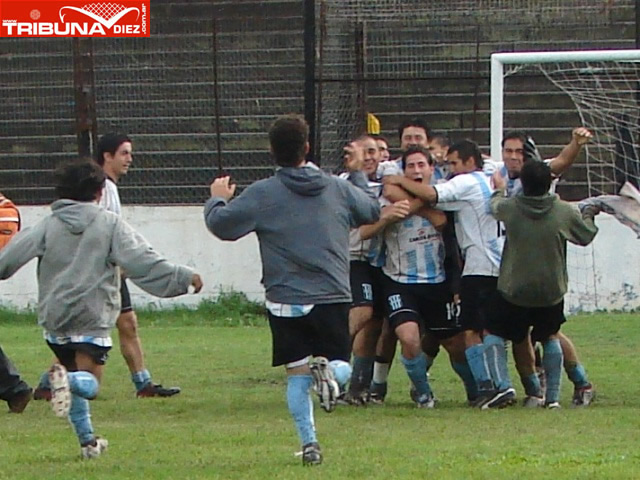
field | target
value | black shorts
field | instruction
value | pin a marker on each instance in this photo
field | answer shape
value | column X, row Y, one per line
column 475, row 293
column 67, row 353
column 125, row 298
column 429, row 305
column 324, row 331
column 512, row 321
column 367, row 286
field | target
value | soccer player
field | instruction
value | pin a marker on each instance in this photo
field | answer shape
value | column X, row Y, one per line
column 513, row 159
column 80, row 249
column 365, row 274
column 467, row 195
column 15, row 391
column 419, row 299
column 383, row 147
column 114, row 155
column 302, row 218
column 533, row 273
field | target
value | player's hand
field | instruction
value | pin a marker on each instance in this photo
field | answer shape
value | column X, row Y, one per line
column 581, row 135
column 395, row 212
column 196, row 283
column 353, row 157
column 498, row 181
column 221, row 188
column 392, row 179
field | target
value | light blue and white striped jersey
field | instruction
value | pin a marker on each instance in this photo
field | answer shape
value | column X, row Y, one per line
column 110, row 199
column 99, row 341
column 514, row 185
column 415, row 252
column 477, row 231
column 286, row 310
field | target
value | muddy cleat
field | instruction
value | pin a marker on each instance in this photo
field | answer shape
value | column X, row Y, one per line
column 357, row 400
column 156, row 390
column 324, row 384
column 42, row 393
column 583, row 396
column 95, row 448
column 19, row 401
column 532, row 401
column 311, row 454
column 552, row 405
column 426, row 401
column 377, row 393
column 497, row 399
column 60, row 391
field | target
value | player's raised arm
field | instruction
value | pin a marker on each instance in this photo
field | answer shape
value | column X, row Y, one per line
column 580, row 136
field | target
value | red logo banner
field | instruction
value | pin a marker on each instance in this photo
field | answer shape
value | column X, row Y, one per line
column 73, row 18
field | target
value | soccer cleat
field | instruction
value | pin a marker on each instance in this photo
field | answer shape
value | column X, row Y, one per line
column 532, row 401
column 583, row 396
column 354, row 399
column 311, row 454
column 60, row 390
column 377, row 393
column 95, row 448
column 426, row 401
column 552, row 405
column 497, row 399
column 19, row 401
column 324, row 384
column 42, row 393
column 156, row 390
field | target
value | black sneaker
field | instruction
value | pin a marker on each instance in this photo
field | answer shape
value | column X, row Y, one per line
column 497, row 399
column 377, row 393
column 19, row 401
column 155, row 390
column 311, row 454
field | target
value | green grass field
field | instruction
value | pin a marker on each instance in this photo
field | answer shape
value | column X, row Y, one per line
column 231, row 421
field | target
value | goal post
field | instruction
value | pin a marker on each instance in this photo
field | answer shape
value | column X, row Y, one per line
column 500, row 60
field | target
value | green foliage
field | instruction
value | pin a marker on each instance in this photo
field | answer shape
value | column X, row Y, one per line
column 231, row 420
column 231, row 309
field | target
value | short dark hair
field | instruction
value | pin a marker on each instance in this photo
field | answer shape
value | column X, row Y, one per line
column 109, row 142
column 535, row 178
column 380, row 137
column 414, row 122
column 79, row 180
column 288, row 136
column 441, row 138
column 416, row 149
column 514, row 135
column 468, row 149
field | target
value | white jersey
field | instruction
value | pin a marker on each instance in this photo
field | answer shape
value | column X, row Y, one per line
column 365, row 250
column 415, row 252
column 468, row 195
column 513, row 185
column 110, row 198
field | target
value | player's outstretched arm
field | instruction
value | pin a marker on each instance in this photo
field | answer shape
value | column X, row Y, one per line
column 23, row 247
column 420, row 190
column 230, row 221
column 580, row 136
column 146, row 268
column 388, row 215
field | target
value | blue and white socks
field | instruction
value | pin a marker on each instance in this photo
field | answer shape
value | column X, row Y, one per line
column 83, row 386
column 140, row 379
column 301, row 406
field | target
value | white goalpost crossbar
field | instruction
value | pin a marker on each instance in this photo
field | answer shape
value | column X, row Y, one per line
column 499, row 60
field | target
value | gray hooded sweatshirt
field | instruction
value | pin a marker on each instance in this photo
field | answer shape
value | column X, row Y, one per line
column 302, row 217
column 79, row 247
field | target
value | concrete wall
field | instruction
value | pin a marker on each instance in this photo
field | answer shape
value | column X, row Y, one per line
column 605, row 276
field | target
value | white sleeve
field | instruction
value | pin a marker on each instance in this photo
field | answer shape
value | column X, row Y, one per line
column 453, row 190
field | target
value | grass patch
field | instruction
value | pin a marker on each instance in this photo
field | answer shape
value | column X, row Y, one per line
column 231, row 421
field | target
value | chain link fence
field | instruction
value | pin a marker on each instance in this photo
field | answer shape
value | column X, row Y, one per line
column 198, row 96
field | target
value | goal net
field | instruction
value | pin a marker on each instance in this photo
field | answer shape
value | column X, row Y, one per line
column 604, row 90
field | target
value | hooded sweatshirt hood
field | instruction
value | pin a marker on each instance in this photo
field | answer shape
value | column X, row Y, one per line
column 75, row 216
column 307, row 180
column 536, row 207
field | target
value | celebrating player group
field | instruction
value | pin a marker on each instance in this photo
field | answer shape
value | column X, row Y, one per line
column 440, row 247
